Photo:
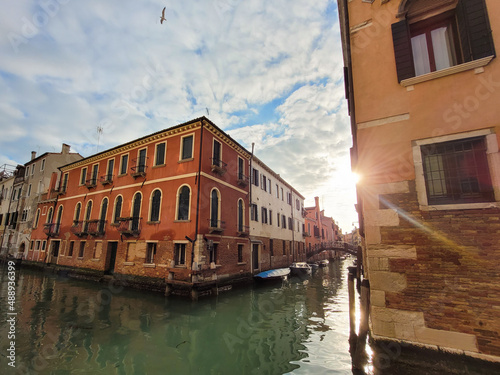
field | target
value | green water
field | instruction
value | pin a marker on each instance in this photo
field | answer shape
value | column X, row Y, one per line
column 67, row 326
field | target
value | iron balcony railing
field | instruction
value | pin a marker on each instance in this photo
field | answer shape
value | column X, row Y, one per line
column 78, row 228
column 51, row 229
column 216, row 225
column 107, row 179
column 218, row 166
column 140, row 168
column 129, row 225
column 91, row 182
column 242, row 179
column 96, row 227
column 243, row 230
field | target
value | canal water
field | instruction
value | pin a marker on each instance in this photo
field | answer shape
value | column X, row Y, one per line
column 68, row 326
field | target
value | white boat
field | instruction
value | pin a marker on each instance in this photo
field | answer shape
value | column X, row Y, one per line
column 323, row 263
column 300, row 269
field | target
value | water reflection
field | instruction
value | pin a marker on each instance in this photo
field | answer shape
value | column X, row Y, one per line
column 73, row 326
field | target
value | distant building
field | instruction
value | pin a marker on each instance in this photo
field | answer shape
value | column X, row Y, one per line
column 7, row 205
column 422, row 81
column 170, row 210
column 321, row 231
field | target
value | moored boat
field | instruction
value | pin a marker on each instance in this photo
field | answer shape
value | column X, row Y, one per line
column 300, row 269
column 273, row 275
column 323, row 263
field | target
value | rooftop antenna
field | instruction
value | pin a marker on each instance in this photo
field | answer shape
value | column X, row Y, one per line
column 99, row 132
column 208, row 113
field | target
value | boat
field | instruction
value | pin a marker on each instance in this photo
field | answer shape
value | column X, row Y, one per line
column 314, row 266
column 273, row 275
column 323, row 263
column 300, row 269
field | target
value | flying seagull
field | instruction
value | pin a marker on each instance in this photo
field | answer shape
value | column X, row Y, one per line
column 162, row 18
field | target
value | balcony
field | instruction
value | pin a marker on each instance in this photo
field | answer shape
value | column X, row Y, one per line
column 243, row 230
column 130, row 226
column 91, row 183
column 96, row 227
column 107, row 179
column 243, row 180
column 140, row 168
column 79, row 229
column 306, row 234
column 304, row 212
column 218, row 166
column 216, row 226
column 52, row 229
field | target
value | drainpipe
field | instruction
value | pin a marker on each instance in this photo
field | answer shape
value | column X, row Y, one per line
column 197, row 199
column 293, row 229
column 249, row 210
column 47, row 250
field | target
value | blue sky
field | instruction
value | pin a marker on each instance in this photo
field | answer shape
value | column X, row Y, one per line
column 269, row 72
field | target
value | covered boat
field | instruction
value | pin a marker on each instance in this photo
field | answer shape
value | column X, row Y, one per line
column 270, row 275
column 300, row 269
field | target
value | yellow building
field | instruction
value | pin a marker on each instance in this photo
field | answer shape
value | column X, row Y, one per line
column 423, row 84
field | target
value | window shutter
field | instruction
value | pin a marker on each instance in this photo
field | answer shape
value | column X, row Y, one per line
column 474, row 29
column 402, row 50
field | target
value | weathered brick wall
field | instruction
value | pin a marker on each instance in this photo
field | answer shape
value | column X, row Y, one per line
column 455, row 278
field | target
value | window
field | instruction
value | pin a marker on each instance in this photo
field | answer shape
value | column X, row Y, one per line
column 254, row 212
column 83, row 176
column 97, row 250
column 82, row 249
column 180, row 254
column 49, row 215
column 136, row 212
column 29, row 190
column 270, row 217
column 264, row 215
column 278, row 219
column 290, row 223
column 255, row 177
column 297, row 204
column 187, row 147
column 102, row 217
column 88, row 212
column 457, row 172
column 71, row 248
column 76, row 218
column 155, row 206
column 141, row 161
column 64, row 186
column 37, row 245
column 271, row 247
column 160, row 154
column 44, row 245
column 240, row 253
column 58, row 219
column 42, row 167
column 437, row 35
column 241, row 169
column 183, row 198
column 150, row 252
column 95, row 171
column 37, row 218
column 217, row 153
column 264, row 183
column 282, row 194
column 109, row 171
column 269, row 185
column 214, row 209
column 241, row 216
column 32, row 169
column 283, row 221
column 213, row 253
column 284, row 247
column 277, row 191
column 118, row 209
column 123, row 164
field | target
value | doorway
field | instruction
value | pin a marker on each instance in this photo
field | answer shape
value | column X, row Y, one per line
column 255, row 257
column 111, row 257
column 54, row 251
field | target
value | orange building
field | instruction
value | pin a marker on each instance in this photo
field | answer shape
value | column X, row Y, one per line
column 422, row 82
column 169, row 209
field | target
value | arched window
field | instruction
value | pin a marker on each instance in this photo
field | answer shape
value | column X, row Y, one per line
column 88, row 212
column 241, row 216
column 136, row 211
column 183, row 194
column 214, row 209
column 155, row 206
column 76, row 218
column 37, row 218
column 102, row 217
column 118, row 209
column 49, row 215
column 58, row 219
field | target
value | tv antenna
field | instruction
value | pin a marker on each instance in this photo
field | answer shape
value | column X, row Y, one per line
column 99, row 132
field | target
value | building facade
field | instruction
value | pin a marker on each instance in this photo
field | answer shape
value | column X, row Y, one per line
column 170, row 209
column 422, row 83
column 7, row 206
column 276, row 220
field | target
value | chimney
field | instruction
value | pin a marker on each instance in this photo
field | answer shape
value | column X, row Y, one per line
column 316, row 202
column 33, row 155
column 65, row 148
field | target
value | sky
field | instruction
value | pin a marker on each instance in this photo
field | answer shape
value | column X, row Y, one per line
column 95, row 74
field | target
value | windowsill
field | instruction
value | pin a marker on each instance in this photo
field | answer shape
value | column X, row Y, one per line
column 115, row 224
column 446, row 72
column 185, row 160
column 149, row 265
column 180, row 266
column 122, row 175
column 153, row 222
column 80, row 258
column 95, row 260
column 182, row 221
column 242, row 263
column 158, row 166
column 128, row 263
column 460, row 206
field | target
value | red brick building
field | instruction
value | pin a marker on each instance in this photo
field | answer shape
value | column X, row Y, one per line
column 169, row 209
